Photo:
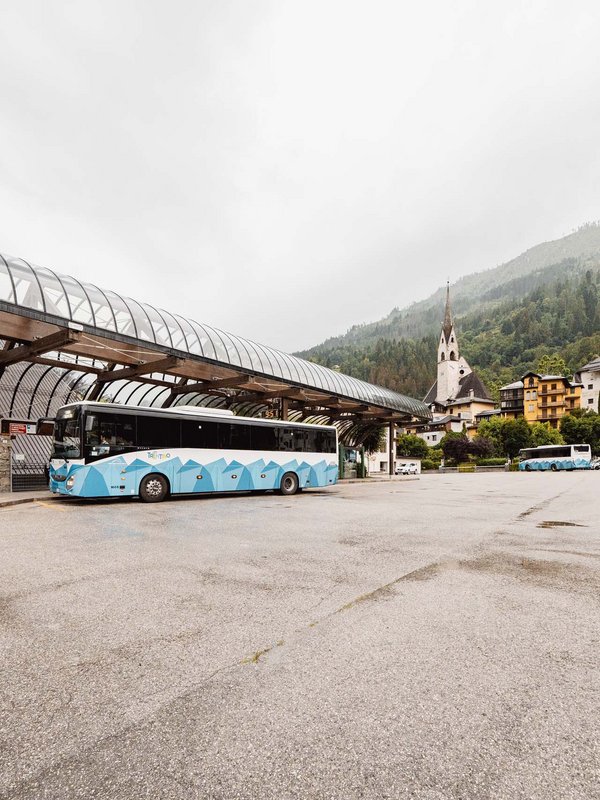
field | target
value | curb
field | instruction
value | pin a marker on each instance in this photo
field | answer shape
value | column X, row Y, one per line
column 22, row 500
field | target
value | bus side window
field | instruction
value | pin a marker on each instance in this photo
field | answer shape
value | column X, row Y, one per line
column 116, row 431
column 262, row 437
column 285, row 439
column 234, row 437
column 158, row 432
column 199, row 433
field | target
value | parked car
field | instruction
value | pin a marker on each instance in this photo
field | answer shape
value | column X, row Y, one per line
column 595, row 463
column 407, row 469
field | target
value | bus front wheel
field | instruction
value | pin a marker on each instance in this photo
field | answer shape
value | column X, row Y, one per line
column 289, row 483
column 553, row 467
column 153, row 488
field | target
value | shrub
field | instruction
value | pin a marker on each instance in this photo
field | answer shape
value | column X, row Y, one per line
column 427, row 463
column 490, row 462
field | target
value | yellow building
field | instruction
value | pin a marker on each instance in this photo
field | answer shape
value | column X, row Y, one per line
column 547, row 398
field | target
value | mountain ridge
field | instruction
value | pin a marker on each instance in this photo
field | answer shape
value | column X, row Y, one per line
column 535, row 267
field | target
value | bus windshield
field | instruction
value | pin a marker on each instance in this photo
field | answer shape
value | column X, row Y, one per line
column 67, row 438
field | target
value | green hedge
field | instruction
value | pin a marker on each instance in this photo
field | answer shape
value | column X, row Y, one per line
column 490, row 462
column 428, row 464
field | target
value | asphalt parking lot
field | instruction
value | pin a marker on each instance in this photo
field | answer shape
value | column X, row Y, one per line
column 425, row 639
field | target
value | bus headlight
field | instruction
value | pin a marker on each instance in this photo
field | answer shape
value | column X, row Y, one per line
column 70, row 482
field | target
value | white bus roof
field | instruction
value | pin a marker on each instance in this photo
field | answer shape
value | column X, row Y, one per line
column 191, row 411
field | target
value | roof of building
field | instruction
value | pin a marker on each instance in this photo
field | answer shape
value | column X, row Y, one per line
column 491, row 412
column 464, row 401
column 472, row 383
column 591, row 366
column 514, row 385
column 431, row 395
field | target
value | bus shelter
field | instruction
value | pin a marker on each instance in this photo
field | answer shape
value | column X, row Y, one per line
column 63, row 340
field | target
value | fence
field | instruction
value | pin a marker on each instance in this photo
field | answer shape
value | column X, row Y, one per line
column 30, row 456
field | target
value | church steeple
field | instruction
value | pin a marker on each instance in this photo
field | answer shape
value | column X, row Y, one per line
column 451, row 366
column 448, row 324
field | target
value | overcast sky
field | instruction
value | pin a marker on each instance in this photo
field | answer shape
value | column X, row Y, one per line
column 284, row 170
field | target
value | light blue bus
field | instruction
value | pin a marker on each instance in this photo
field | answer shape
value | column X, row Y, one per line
column 556, row 457
column 108, row 450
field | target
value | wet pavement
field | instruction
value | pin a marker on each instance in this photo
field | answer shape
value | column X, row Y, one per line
column 428, row 639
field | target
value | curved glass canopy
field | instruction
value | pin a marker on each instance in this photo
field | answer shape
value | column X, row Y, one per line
column 49, row 292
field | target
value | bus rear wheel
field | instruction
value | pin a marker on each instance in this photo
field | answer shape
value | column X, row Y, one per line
column 289, row 483
column 153, row 488
column 553, row 467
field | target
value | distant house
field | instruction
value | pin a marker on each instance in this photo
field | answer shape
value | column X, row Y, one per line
column 458, row 390
column 433, row 432
column 589, row 377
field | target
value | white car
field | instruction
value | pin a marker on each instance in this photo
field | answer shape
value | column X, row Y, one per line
column 407, row 469
column 595, row 463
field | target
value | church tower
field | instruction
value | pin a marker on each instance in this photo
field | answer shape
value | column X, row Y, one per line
column 451, row 367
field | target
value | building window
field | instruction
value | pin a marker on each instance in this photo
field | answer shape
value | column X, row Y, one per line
column 552, row 386
column 452, row 355
column 531, row 407
column 590, row 401
column 590, row 385
column 443, row 356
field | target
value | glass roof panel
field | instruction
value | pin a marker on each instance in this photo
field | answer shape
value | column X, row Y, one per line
column 123, row 315
column 233, row 355
column 175, row 330
column 143, row 323
column 55, row 295
column 81, row 309
column 26, row 284
column 103, row 313
column 159, row 326
column 193, row 344
column 211, row 342
column 6, row 284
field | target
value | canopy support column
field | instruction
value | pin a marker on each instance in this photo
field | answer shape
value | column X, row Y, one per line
column 392, row 443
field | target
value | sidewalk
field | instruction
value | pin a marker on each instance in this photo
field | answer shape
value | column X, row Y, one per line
column 17, row 498
column 380, row 479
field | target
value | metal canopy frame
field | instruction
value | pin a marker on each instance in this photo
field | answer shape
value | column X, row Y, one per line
column 62, row 340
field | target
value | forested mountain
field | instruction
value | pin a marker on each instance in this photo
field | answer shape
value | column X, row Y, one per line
column 536, row 267
column 507, row 327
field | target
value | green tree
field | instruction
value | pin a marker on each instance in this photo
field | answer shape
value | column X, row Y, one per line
column 516, row 434
column 411, row 446
column 552, row 365
column 543, row 433
column 582, row 428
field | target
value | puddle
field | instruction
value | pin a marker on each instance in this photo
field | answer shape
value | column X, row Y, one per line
column 556, row 523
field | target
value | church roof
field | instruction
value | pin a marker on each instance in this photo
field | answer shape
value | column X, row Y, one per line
column 431, row 395
column 472, row 383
